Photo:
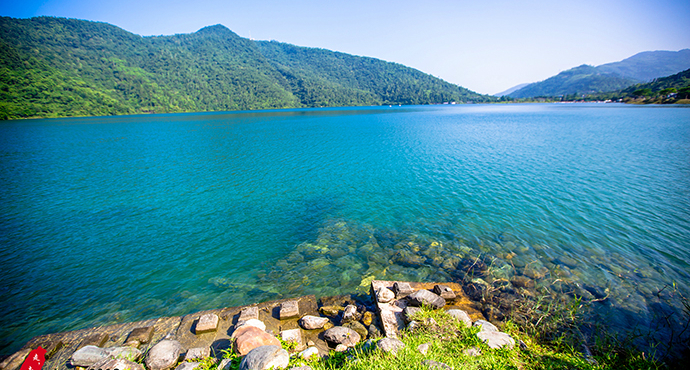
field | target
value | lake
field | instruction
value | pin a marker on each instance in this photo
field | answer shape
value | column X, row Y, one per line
column 114, row 219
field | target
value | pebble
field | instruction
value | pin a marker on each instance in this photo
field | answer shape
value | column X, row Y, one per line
column 342, row 335
column 427, row 298
column 435, row 365
column 309, row 352
column 461, row 316
column 313, row 322
column 485, row 325
column 385, row 295
column 390, row 345
column 496, row 339
column 423, row 348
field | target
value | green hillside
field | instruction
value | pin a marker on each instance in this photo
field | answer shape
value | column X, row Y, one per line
column 374, row 80
column 579, row 80
column 649, row 65
column 54, row 67
column 585, row 79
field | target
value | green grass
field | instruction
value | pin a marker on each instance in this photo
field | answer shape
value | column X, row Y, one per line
column 449, row 340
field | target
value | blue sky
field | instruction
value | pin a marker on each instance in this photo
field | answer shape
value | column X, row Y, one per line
column 487, row 46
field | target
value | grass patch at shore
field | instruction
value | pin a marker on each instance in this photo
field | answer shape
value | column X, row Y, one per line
column 457, row 346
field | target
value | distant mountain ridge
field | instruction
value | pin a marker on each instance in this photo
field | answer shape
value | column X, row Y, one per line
column 585, row 79
column 55, row 67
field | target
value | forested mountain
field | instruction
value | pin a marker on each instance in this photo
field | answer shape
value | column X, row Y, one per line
column 579, row 80
column 648, row 65
column 51, row 67
column 662, row 90
column 585, row 79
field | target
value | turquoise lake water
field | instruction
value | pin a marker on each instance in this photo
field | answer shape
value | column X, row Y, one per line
column 115, row 219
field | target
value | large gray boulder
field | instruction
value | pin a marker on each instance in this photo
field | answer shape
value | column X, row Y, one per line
column 116, row 363
column 424, row 297
column 88, row 355
column 265, row 357
column 342, row 335
column 164, row 355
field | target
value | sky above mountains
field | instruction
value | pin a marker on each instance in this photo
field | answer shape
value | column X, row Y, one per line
column 486, row 46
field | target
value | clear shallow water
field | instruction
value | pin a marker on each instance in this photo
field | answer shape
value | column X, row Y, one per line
column 115, row 219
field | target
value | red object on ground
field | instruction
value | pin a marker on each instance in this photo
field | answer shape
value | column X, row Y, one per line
column 35, row 359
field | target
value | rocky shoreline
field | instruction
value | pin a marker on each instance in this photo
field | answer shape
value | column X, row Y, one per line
column 316, row 326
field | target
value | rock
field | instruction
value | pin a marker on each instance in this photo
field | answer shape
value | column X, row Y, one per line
column 198, row 353
column 183, row 366
column 97, row 340
column 358, row 327
column 207, row 323
column 313, row 322
column 164, row 355
column 16, row 360
column 384, row 295
column 368, row 345
column 116, row 363
column 427, row 298
column 374, row 331
column 293, row 335
column 225, row 364
column 485, row 325
column 367, row 318
column 522, row 345
column 309, row 352
column 125, row 352
column 444, row 291
column 251, row 322
column 412, row 326
column 423, row 348
column 390, row 345
column 88, row 355
column 143, row 335
column 496, row 339
column 461, row 316
column 328, row 325
column 342, row 335
column 289, row 309
column 265, row 357
column 249, row 313
column 522, row 282
column 435, row 365
column 409, row 312
column 402, row 289
column 330, row 310
column 252, row 338
column 350, row 314
column 340, row 348
column 473, row 352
